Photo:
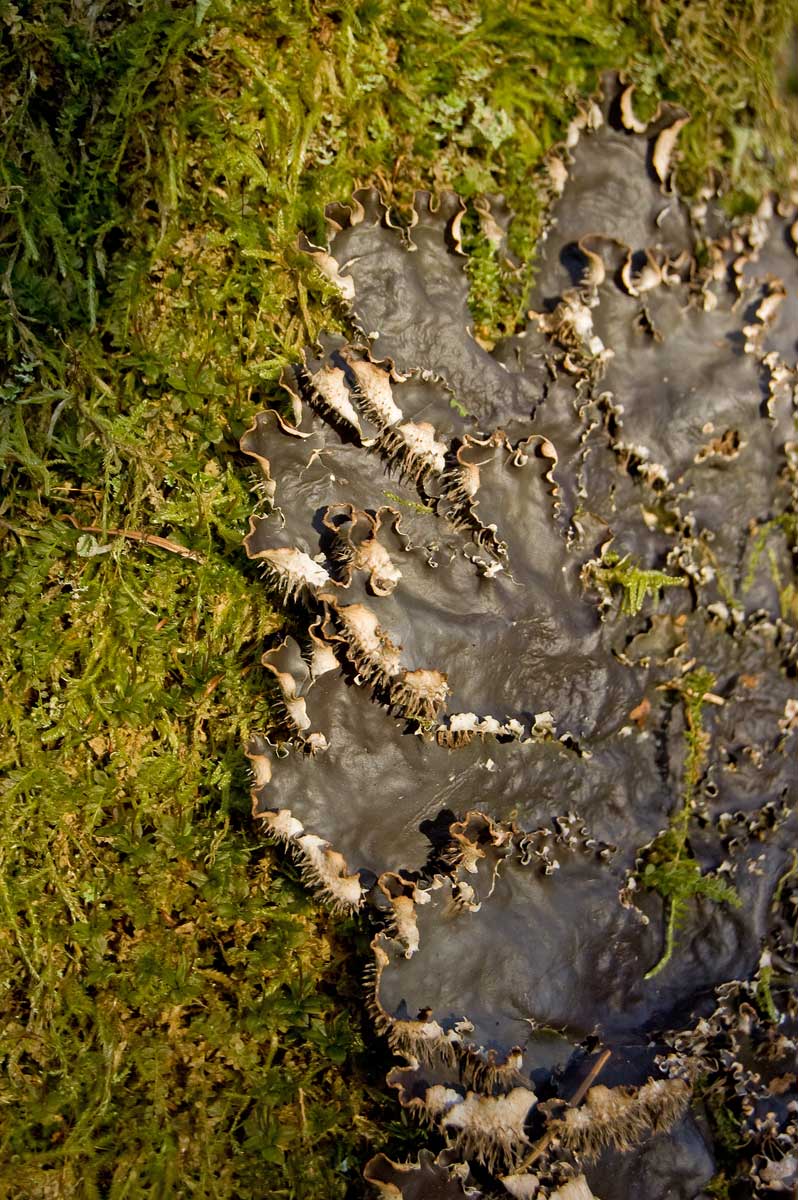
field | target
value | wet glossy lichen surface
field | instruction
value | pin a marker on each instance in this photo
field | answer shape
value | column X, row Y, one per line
column 540, row 709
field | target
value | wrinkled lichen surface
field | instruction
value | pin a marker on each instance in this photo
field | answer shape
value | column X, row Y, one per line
column 540, row 709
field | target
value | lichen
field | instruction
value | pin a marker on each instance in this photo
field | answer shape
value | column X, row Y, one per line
column 542, row 792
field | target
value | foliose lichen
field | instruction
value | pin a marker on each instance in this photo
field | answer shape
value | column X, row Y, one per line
column 539, row 711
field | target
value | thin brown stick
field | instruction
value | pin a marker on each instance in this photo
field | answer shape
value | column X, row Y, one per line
column 135, row 535
column 577, row 1098
column 590, row 1078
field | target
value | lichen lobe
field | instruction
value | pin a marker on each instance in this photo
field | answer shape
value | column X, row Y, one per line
column 506, row 571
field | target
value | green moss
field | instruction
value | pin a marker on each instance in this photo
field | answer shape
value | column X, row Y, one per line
column 635, row 582
column 729, row 1136
column 786, row 527
column 413, row 504
column 669, row 866
column 726, row 1127
column 764, row 995
column 718, row 1187
column 175, row 1009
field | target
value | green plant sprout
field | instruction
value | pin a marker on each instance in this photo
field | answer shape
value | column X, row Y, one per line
column 786, row 523
column 764, row 992
column 764, row 977
column 414, row 504
column 635, row 582
column 670, row 867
